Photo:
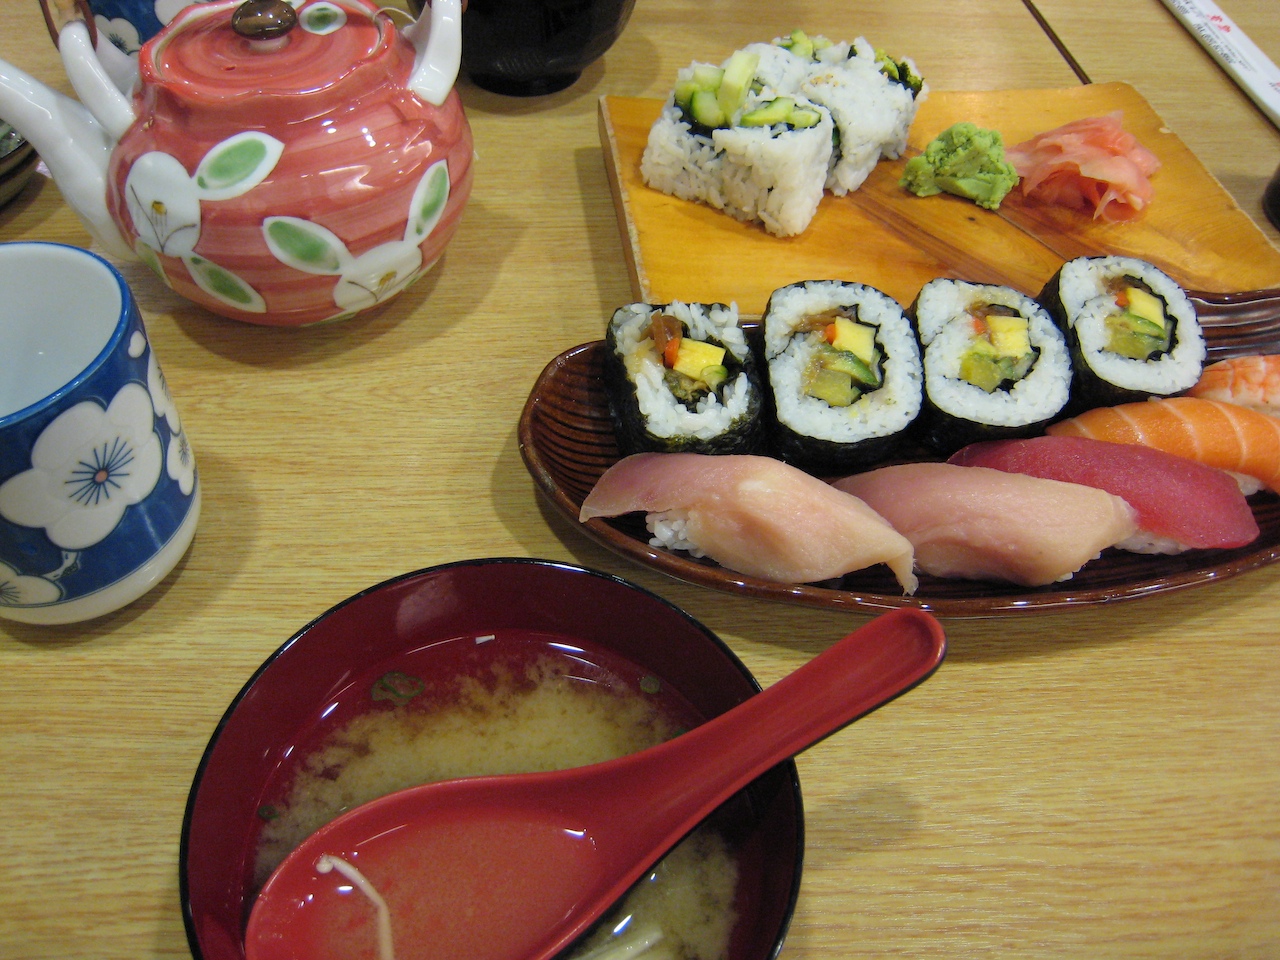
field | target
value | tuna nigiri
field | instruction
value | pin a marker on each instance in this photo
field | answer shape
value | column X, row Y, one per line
column 975, row 523
column 1092, row 164
column 1252, row 382
column 1223, row 435
column 1180, row 504
column 755, row 515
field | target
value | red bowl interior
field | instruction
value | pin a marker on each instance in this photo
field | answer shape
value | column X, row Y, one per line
column 281, row 705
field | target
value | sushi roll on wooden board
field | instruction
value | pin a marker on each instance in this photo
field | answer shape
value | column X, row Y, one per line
column 740, row 147
column 1132, row 331
column 764, row 134
column 843, row 373
column 995, row 364
column 681, row 377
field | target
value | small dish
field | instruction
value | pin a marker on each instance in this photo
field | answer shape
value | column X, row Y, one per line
column 445, row 622
column 567, row 441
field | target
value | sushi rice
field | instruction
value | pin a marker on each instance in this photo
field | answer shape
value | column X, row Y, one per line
column 774, row 175
column 872, row 113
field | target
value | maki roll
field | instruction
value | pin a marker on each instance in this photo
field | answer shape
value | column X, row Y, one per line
column 843, row 369
column 729, row 141
column 681, row 378
column 873, row 100
column 995, row 364
column 1132, row 331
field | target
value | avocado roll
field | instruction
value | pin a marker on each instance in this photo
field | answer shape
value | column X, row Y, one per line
column 680, row 377
column 843, row 372
column 995, row 364
column 1132, row 331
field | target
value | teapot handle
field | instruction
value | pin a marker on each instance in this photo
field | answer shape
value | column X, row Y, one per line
column 438, row 42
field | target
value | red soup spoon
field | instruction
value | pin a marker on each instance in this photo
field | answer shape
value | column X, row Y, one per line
column 516, row 867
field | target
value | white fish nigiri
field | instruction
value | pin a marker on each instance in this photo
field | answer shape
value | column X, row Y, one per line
column 755, row 515
column 976, row 523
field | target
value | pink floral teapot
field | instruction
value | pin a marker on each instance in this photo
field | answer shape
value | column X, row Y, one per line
column 278, row 163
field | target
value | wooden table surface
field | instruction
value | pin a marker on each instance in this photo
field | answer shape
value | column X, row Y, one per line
column 1093, row 783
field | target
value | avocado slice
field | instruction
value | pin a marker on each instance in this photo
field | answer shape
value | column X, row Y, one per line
column 833, row 386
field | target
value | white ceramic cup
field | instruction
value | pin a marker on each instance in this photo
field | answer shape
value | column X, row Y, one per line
column 99, row 496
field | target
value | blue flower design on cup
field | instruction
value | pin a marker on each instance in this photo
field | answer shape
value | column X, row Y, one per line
column 99, row 492
column 88, row 465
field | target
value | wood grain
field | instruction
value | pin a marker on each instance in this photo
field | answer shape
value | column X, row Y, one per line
column 884, row 236
column 1096, row 784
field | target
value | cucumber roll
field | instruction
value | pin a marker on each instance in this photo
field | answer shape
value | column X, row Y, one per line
column 1132, row 331
column 843, row 368
column 873, row 101
column 681, row 378
column 995, row 364
column 728, row 140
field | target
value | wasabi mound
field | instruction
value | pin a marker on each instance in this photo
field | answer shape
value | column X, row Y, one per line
column 964, row 160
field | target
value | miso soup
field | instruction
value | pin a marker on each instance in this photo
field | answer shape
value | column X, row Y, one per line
column 510, row 703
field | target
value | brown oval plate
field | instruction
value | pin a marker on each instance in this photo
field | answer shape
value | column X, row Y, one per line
column 567, row 442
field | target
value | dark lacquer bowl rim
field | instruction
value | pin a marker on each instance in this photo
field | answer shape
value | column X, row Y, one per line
column 738, row 684
column 567, row 441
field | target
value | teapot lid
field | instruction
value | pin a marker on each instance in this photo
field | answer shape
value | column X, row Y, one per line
column 338, row 47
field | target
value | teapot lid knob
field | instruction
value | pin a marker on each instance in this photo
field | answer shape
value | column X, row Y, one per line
column 264, row 19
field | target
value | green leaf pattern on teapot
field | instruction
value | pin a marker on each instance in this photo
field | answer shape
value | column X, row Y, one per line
column 376, row 274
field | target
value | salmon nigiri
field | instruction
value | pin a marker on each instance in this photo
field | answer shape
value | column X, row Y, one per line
column 1223, row 435
column 1252, row 382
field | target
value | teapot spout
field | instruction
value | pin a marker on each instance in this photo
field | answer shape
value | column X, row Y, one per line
column 72, row 142
column 438, row 42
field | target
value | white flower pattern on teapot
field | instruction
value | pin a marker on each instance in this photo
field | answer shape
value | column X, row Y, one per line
column 376, row 274
column 164, row 202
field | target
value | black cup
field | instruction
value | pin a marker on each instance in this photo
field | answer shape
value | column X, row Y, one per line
column 527, row 48
column 1271, row 200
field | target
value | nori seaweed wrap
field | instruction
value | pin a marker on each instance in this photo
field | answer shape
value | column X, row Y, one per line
column 843, row 369
column 681, row 378
column 1132, row 331
column 995, row 365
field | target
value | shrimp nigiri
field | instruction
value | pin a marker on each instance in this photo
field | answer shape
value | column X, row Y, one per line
column 1252, row 382
column 1232, row 438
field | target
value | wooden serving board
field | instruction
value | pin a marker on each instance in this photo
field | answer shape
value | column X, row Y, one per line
column 886, row 237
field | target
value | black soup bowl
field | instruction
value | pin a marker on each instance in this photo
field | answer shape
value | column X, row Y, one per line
column 413, row 643
column 527, row 48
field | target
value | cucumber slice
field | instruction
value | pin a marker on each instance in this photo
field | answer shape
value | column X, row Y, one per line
column 799, row 44
column 863, row 375
column 683, row 93
column 705, row 108
column 769, row 113
column 707, row 77
column 802, row 118
column 736, row 82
